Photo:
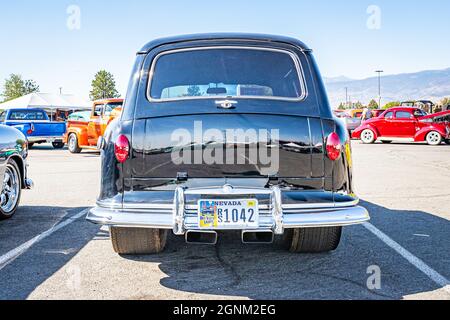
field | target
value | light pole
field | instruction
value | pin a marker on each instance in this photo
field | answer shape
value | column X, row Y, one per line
column 346, row 97
column 379, row 87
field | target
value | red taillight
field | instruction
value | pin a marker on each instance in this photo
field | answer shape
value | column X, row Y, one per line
column 29, row 132
column 122, row 149
column 334, row 146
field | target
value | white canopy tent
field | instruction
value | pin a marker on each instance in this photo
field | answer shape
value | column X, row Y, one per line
column 48, row 101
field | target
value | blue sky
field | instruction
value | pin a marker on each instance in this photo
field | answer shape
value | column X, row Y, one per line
column 36, row 42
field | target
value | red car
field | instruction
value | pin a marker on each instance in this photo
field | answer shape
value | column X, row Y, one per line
column 406, row 124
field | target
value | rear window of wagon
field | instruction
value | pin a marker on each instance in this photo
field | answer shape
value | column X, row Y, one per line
column 226, row 72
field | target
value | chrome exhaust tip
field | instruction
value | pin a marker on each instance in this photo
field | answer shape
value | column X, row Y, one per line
column 258, row 237
column 29, row 184
column 201, row 237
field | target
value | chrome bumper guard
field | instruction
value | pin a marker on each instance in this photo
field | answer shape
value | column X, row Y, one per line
column 274, row 217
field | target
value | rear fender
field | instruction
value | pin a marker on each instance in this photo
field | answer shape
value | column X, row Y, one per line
column 421, row 135
column 81, row 133
column 20, row 164
column 342, row 168
column 357, row 133
column 112, row 172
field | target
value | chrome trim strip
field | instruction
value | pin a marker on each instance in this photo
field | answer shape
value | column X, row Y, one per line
column 227, row 191
column 109, row 204
column 294, row 57
column 130, row 205
column 148, row 207
column 169, row 207
column 340, row 218
column 334, row 218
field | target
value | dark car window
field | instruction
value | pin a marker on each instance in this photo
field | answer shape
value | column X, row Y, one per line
column 27, row 115
column 389, row 115
column 403, row 115
column 419, row 113
column 226, row 72
column 98, row 110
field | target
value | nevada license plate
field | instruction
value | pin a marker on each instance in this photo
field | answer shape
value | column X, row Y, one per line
column 228, row 214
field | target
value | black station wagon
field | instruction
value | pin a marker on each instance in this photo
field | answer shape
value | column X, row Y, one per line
column 226, row 133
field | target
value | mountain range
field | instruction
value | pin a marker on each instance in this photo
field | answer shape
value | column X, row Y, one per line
column 431, row 85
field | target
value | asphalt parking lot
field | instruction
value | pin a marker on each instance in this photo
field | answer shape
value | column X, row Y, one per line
column 48, row 250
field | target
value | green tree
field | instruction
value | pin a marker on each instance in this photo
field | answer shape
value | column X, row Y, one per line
column 444, row 102
column 194, row 91
column 103, row 86
column 391, row 105
column 358, row 105
column 341, row 106
column 16, row 87
column 373, row 104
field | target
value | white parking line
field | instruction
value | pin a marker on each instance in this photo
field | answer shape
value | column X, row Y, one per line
column 416, row 262
column 17, row 252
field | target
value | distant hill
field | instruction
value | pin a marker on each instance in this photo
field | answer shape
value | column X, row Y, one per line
column 337, row 79
column 425, row 85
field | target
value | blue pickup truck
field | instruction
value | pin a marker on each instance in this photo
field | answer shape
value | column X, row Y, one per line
column 35, row 125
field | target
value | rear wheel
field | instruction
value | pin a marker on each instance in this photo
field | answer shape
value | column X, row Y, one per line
column 73, row 144
column 58, row 145
column 368, row 136
column 312, row 240
column 128, row 241
column 10, row 191
column 434, row 138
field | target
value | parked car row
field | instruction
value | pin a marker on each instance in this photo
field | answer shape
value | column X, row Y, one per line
column 20, row 129
column 84, row 129
column 35, row 125
column 81, row 130
column 406, row 124
column 353, row 118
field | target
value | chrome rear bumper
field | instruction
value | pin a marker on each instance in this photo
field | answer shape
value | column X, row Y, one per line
column 47, row 139
column 274, row 217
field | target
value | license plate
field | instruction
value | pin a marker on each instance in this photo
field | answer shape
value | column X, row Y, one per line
column 228, row 214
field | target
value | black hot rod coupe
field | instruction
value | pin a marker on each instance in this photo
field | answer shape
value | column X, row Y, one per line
column 224, row 133
column 13, row 170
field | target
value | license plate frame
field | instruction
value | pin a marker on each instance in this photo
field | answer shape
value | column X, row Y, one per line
column 228, row 214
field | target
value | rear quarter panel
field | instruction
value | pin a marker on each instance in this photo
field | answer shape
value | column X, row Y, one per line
column 80, row 129
column 426, row 128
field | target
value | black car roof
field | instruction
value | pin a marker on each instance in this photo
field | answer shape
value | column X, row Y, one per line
column 223, row 36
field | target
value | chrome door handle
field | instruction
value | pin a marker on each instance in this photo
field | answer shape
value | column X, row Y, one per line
column 226, row 104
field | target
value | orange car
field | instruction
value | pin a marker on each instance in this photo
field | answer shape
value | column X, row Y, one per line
column 83, row 134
